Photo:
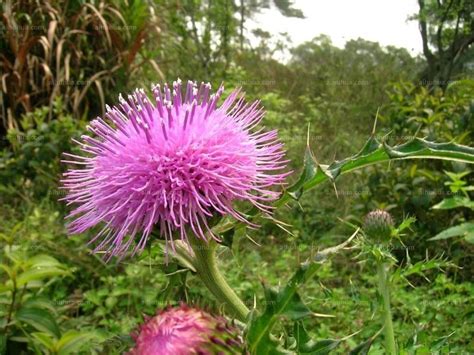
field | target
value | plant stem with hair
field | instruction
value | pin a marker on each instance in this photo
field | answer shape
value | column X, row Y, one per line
column 384, row 290
column 205, row 263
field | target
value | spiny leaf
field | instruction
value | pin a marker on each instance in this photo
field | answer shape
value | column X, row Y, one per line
column 277, row 304
column 309, row 170
column 259, row 339
column 363, row 349
column 438, row 344
column 324, row 347
column 285, row 302
column 420, row 267
column 306, row 345
column 301, row 335
column 375, row 152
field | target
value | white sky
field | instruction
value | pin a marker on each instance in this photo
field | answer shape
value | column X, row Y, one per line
column 383, row 21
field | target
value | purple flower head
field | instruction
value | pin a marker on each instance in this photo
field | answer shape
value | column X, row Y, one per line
column 172, row 163
column 184, row 330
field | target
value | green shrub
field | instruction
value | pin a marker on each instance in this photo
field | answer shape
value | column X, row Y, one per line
column 30, row 165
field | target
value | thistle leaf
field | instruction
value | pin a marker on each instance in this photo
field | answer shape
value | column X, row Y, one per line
column 285, row 303
column 375, row 152
column 306, row 345
column 363, row 349
column 310, row 169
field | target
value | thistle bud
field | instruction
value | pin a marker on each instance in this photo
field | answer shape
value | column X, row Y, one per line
column 378, row 225
column 186, row 330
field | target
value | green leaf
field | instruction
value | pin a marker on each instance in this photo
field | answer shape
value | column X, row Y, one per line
column 302, row 337
column 309, row 170
column 465, row 229
column 305, row 345
column 421, row 148
column 73, row 341
column 469, row 238
column 44, row 339
column 375, row 152
column 406, row 223
column 259, row 339
column 324, row 347
column 43, row 260
column 421, row 267
column 454, row 202
column 439, row 343
column 40, row 302
column 8, row 270
column 39, row 274
column 295, row 308
column 41, row 267
column 3, row 344
column 284, row 302
column 363, row 349
column 39, row 319
column 277, row 304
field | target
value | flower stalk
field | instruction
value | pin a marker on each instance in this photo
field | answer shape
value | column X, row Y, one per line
column 205, row 263
column 384, row 289
column 379, row 228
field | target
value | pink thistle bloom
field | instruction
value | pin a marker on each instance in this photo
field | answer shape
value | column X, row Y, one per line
column 183, row 331
column 171, row 163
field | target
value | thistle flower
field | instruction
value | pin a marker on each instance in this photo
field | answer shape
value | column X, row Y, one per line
column 378, row 225
column 183, row 330
column 173, row 164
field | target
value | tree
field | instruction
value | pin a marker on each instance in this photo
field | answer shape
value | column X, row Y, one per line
column 250, row 7
column 447, row 32
column 210, row 32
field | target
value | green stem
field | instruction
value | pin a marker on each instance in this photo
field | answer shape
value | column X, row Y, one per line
column 206, row 267
column 390, row 346
column 12, row 305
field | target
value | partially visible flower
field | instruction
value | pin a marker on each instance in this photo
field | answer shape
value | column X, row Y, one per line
column 378, row 225
column 184, row 330
column 173, row 164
